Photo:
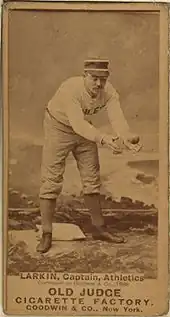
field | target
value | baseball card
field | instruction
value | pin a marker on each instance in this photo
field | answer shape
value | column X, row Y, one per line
column 85, row 158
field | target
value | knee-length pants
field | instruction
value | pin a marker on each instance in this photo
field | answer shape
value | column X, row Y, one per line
column 59, row 141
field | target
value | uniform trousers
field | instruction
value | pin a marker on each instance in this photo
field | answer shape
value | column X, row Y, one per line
column 59, row 141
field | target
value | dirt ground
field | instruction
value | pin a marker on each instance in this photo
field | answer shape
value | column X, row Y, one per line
column 139, row 228
column 138, row 255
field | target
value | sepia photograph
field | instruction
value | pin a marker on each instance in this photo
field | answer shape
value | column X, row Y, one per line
column 84, row 161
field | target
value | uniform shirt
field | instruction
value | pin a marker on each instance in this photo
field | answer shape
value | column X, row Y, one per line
column 73, row 106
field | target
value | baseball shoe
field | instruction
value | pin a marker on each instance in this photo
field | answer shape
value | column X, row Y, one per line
column 45, row 242
column 101, row 233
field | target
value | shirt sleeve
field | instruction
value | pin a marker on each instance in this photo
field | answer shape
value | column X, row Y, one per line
column 115, row 114
column 79, row 124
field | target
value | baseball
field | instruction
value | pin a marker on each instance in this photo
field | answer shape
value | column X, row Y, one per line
column 134, row 139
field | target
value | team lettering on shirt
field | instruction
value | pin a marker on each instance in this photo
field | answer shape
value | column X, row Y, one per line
column 91, row 111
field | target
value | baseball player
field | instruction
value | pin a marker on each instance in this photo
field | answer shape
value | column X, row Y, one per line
column 68, row 127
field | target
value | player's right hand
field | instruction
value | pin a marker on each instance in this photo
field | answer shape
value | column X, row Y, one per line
column 110, row 142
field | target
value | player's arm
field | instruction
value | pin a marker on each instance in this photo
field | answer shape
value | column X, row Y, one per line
column 85, row 129
column 120, row 124
column 81, row 126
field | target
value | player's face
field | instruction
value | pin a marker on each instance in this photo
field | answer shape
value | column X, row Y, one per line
column 95, row 83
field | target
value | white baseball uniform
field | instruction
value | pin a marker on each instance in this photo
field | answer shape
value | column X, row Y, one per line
column 68, row 127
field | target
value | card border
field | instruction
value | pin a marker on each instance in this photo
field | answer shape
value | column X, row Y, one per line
column 163, row 219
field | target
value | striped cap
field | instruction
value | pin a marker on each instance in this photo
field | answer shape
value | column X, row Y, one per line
column 99, row 66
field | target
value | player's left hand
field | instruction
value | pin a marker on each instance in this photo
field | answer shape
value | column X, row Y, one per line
column 132, row 142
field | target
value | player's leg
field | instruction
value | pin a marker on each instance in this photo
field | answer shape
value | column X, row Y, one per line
column 86, row 155
column 57, row 145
